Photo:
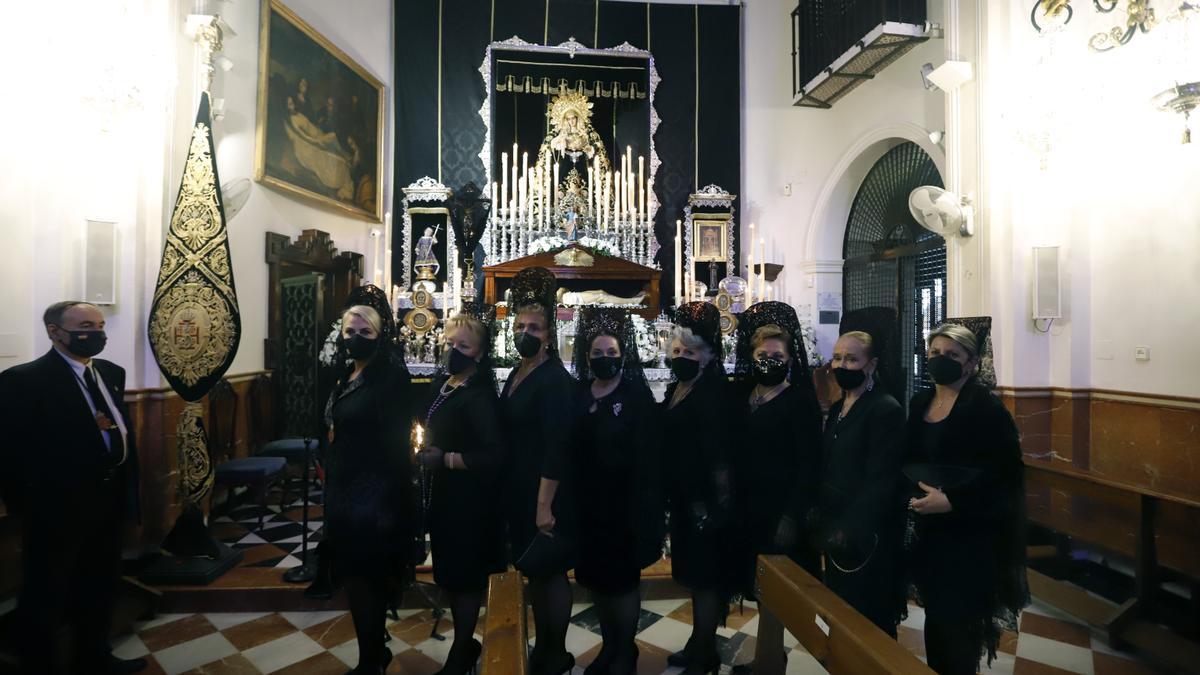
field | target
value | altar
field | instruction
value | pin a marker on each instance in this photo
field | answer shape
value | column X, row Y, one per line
column 591, row 276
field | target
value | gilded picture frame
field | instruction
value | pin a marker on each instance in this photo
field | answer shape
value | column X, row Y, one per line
column 320, row 121
column 709, row 237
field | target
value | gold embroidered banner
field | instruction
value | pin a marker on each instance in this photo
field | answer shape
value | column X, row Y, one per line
column 194, row 322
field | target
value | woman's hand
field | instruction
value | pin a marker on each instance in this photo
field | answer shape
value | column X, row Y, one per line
column 431, row 457
column 934, row 501
column 545, row 519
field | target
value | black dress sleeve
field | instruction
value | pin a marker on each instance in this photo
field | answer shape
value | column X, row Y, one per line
column 884, row 457
column 486, row 454
column 649, row 508
column 396, row 411
column 999, row 458
column 805, row 439
column 554, row 404
column 14, row 417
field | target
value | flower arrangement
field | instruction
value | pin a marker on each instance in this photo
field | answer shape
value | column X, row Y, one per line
column 552, row 243
column 329, row 349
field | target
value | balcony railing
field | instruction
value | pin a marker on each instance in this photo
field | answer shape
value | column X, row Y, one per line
column 839, row 44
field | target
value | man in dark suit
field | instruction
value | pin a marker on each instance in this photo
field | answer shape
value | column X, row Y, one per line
column 70, row 473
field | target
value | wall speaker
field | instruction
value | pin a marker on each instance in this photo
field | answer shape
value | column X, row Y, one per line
column 100, row 263
column 1047, row 283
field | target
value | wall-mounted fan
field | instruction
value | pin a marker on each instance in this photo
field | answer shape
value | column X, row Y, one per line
column 941, row 212
column 234, row 195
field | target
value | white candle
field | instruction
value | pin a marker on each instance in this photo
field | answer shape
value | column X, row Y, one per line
column 678, row 263
column 762, row 254
column 504, row 181
column 641, row 186
column 524, row 164
column 387, row 258
column 512, row 211
column 619, row 186
column 750, row 270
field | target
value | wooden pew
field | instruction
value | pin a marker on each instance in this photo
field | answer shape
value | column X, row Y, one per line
column 504, row 633
column 837, row 636
column 1156, row 529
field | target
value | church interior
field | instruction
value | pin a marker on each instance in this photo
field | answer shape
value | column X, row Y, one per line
column 467, row 183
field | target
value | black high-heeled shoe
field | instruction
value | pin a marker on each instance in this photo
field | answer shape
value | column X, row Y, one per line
column 601, row 664
column 381, row 669
column 462, row 658
column 701, row 665
column 681, row 658
column 556, row 665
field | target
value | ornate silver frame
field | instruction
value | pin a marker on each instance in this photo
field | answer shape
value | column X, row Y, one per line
column 423, row 190
column 711, row 196
column 572, row 47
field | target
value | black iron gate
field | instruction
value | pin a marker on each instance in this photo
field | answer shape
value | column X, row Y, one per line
column 894, row 276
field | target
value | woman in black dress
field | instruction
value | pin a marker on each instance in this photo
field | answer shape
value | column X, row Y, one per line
column 536, row 410
column 464, row 452
column 860, row 528
column 369, row 507
column 968, row 553
column 778, row 458
column 778, row 466
column 698, row 478
column 621, row 517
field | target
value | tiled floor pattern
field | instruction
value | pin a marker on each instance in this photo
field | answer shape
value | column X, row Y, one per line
column 278, row 543
column 322, row 643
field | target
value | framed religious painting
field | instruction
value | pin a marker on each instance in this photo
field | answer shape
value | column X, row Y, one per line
column 709, row 238
column 319, row 129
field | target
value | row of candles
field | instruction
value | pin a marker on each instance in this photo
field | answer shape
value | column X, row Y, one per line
column 685, row 280
column 382, row 256
column 531, row 196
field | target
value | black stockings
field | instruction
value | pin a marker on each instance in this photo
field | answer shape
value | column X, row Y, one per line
column 368, row 607
column 550, row 598
column 618, row 626
column 708, row 608
column 950, row 646
column 465, row 609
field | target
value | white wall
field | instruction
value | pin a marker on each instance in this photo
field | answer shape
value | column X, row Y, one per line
column 103, row 133
column 363, row 30
column 1086, row 162
column 814, row 151
column 1058, row 146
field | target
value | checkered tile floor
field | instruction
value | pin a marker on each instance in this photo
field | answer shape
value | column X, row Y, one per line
column 320, row 643
column 278, row 543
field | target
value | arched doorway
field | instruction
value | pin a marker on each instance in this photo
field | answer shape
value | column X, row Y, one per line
column 894, row 274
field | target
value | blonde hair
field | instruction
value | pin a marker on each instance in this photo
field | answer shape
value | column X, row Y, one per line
column 468, row 322
column 959, row 334
column 367, row 314
column 865, row 338
column 770, row 332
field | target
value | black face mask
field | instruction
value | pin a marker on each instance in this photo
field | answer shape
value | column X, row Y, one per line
column 849, row 379
column 86, row 343
column 527, row 345
column 360, row 347
column 684, row 369
column 457, row 362
column 945, row 370
column 605, row 367
column 769, row 371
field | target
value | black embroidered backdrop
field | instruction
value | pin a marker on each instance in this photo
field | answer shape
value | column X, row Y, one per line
column 696, row 144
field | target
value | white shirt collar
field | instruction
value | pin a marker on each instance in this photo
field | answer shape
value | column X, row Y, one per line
column 78, row 367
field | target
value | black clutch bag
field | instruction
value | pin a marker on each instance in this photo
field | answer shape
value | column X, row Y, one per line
column 545, row 555
column 941, row 476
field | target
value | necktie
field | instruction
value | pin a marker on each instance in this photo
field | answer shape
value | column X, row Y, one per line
column 116, row 444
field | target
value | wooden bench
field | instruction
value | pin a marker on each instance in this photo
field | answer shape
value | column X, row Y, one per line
column 1156, row 529
column 837, row 636
column 504, row 633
